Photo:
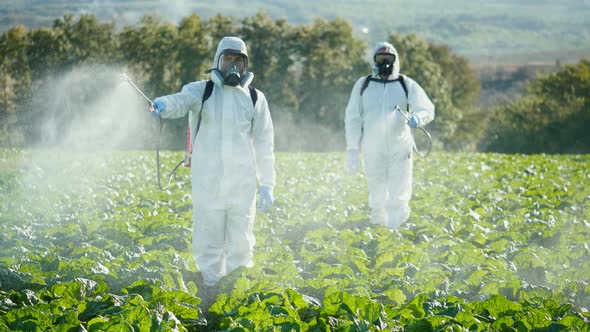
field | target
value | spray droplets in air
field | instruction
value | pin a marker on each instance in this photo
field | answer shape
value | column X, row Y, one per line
column 90, row 108
column 80, row 117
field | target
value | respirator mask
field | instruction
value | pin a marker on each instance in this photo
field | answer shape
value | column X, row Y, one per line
column 233, row 67
column 232, row 75
column 384, row 63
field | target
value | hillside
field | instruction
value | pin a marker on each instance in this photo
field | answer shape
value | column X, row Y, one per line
column 475, row 29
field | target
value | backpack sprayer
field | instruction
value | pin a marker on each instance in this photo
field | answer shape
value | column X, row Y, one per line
column 187, row 158
column 421, row 152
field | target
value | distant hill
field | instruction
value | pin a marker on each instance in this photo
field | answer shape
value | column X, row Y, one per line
column 481, row 30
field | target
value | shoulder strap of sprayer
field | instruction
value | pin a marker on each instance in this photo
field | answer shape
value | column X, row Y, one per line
column 401, row 79
column 209, row 89
column 368, row 79
column 207, row 93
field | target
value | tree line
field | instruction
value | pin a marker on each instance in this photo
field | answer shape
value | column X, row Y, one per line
column 306, row 72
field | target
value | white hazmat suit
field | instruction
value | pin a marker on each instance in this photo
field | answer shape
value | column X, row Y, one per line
column 385, row 138
column 232, row 149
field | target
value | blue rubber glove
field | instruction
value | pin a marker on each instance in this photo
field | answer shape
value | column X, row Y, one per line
column 158, row 107
column 413, row 123
column 265, row 198
column 352, row 161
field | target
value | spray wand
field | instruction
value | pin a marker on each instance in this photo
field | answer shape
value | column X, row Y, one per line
column 428, row 137
column 126, row 78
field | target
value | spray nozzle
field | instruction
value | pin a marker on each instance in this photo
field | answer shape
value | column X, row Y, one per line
column 124, row 77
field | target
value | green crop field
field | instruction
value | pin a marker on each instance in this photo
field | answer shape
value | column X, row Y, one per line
column 495, row 242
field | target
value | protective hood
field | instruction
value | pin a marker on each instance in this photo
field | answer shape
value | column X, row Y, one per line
column 390, row 49
column 229, row 45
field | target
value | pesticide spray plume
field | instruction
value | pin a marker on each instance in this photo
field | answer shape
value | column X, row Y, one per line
column 87, row 108
column 81, row 125
column 85, row 114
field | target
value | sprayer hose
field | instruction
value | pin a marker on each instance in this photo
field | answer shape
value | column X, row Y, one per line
column 419, row 152
column 158, row 161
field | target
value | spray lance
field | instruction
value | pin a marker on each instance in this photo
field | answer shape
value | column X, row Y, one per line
column 186, row 161
column 421, row 152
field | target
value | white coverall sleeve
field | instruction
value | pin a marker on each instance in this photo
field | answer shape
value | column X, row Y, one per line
column 263, row 136
column 353, row 121
column 178, row 104
column 420, row 104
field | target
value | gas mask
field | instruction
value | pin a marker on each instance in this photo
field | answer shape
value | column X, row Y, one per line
column 231, row 75
column 385, row 68
column 384, row 64
column 232, row 68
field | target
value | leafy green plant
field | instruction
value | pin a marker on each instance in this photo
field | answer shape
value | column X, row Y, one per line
column 495, row 242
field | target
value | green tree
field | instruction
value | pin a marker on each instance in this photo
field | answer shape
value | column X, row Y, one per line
column 270, row 49
column 220, row 26
column 465, row 85
column 70, row 42
column 417, row 62
column 306, row 71
column 194, row 49
column 84, row 40
column 14, row 69
column 552, row 117
column 54, row 54
column 14, row 82
column 330, row 59
column 465, row 89
column 151, row 53
column 43, row 53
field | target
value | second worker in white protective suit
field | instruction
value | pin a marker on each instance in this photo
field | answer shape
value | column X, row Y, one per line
column 233, row 146
column 384, row 135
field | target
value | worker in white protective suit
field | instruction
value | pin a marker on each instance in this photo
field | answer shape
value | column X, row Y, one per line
column 384, row 135
column 233, row 147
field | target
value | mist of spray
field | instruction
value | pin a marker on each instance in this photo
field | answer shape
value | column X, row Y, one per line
column 84, row 116
column 298, row 135
column 86, row 122
column 90, row 108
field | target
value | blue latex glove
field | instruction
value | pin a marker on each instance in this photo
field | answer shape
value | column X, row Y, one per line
column 265, row 198
column 352, row 161
column 413, row 123
column 158, row 107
